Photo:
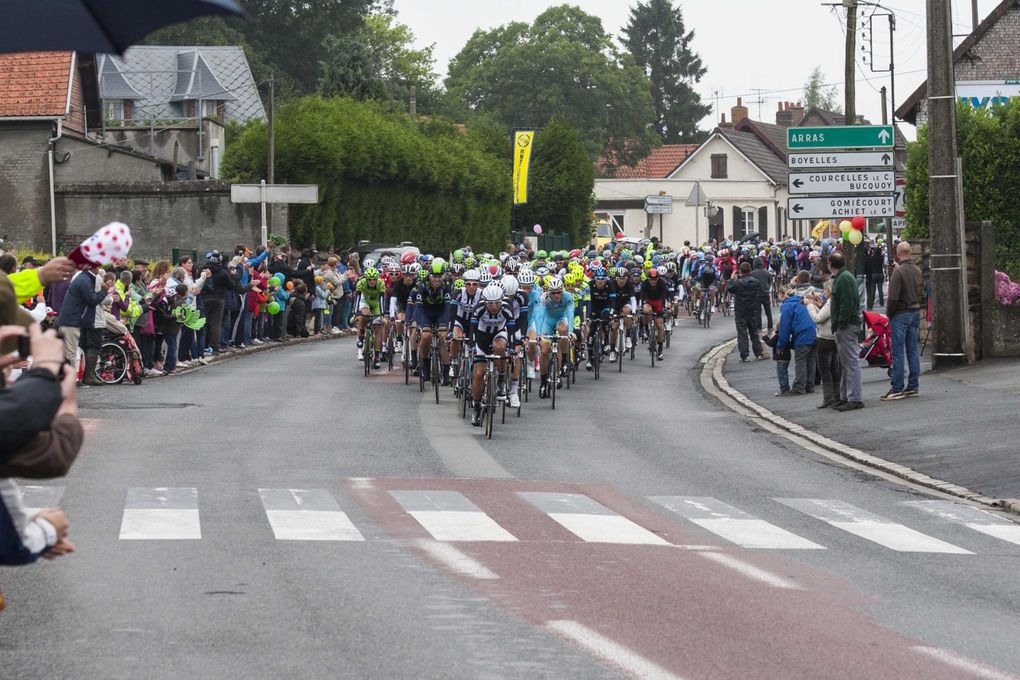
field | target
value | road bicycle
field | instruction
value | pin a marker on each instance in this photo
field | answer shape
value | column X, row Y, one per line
column 405, row 353
column 462, row 383
column 595, row 333
column 490, row 394
column 368, row 344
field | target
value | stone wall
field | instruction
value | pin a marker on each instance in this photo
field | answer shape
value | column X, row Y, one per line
column 166, row 215
column 24, row 183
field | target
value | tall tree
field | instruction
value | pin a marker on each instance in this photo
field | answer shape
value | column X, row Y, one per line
column 350, row 68
column 563, row 64
column 818, row 95
column 661, row 45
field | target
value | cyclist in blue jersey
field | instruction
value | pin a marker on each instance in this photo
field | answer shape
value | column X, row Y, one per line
column 553, row 314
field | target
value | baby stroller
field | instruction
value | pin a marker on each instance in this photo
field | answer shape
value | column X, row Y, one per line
column 876, row 350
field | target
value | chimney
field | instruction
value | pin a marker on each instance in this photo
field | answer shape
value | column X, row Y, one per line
column 738, row 112
column 784, row 117
column 724, row 124
column 796, row 111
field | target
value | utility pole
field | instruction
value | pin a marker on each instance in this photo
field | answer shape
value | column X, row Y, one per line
column 945, row 202
column 850, row 64
column 271, row 158
column 850, row 99
column 413, row 96
column 973, row 15
column 891, row 255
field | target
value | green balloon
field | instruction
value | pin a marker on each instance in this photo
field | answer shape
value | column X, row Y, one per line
column 276, row 281
column 273, row 307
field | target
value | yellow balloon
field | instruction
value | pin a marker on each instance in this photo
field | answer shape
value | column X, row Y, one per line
column 845, row 226
column 855, row 237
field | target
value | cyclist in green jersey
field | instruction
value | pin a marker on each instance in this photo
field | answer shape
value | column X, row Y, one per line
column 370, row 290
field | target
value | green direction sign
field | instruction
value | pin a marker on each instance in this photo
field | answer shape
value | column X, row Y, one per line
column 841, row 137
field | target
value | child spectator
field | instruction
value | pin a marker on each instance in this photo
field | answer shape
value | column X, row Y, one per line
column 320, row 303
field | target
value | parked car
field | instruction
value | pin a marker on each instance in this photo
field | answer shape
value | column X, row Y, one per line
column 375, row 251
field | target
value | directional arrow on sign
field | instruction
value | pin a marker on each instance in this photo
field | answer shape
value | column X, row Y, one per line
column 884, row 136
column 843, row 182
column 832, row 207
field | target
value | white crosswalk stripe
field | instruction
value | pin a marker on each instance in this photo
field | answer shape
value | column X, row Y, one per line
column 161, row 513
column 972, row 518
column 450, row 516
column 37, row 498
column 307, row 515
column 589, row 520
column 871, row 527
column 733, row 524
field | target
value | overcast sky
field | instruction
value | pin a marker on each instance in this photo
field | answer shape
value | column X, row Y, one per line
column 747, row 45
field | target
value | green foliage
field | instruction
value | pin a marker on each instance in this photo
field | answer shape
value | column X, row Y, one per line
column 381, row 176
column 818, row 95
column 561, row 183
column 563, row 65
column 989, row 145
column 661, row 46
column 350, row 69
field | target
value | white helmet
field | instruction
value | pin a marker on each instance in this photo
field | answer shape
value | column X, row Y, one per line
column 553, row 283
column 509, row 285
column 493, row 293
column 368, row 264
column 484, row 277
column 526, row 277
column 471, row 275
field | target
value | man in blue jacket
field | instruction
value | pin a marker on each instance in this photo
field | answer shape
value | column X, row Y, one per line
column 77, row 321
column 797, row 330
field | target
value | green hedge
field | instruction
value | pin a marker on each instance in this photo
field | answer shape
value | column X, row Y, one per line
column 381, row 176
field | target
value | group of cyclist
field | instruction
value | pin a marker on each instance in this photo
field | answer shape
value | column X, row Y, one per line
column 528, row 303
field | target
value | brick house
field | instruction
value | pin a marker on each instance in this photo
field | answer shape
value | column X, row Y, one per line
column 987, row 65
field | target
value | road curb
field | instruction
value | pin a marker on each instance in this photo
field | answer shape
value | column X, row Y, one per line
column 256, row 349
column 714, row 361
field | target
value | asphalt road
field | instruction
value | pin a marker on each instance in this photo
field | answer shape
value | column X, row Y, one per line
column 283, row 516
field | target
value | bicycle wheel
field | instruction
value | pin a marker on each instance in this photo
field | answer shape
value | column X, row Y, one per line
column 597, row 351
column 390, row 348
column 407, row 361
column 651, row 350
column 633, row 342
column 619, row 349
column 111, row 366
column 553, row 377
column 367, row 351
column 436, row 368
column 490, row 400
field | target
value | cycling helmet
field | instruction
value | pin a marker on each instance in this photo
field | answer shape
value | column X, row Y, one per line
column 570, row 279
column 393, row 268
column 457, row 268
column 542, row 271
column 495, row 271
column 369, row 263
column 408, row 258
column 653, row 273
column 437, row 268
column 493, row 293
column 503, row 256
column 458, row 255
column 662, row 270
column 656, row 260
column 410, row 268
column 484, row 277
column 526, row 277
column 470, row 262
column 423, row 274
column 621, row 272
column 639, row 259
column 458, row 284
column 509, row 285
column 512, row 264
column 424, row 258
column 576, row 252
column 371, row 273
column 471, row 276
column 699, row 256
column 554, row 283
column 386, row 259
column 600, row 274
column 541, row 255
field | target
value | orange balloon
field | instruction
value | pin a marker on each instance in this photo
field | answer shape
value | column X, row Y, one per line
column 290, row 285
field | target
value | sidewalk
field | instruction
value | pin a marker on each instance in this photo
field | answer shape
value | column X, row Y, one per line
column 962, row 429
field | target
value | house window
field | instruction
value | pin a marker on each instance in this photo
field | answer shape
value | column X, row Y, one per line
column 747, row 221
column 210, row 108
column 719, row 166
column 114, row 109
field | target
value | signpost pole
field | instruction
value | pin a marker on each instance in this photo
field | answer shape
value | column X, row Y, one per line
column 660, row 228
column 697, row 226
column 265, row 229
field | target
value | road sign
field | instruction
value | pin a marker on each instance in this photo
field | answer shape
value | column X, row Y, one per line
column 843, row 182
column 840, row 160
column 275, row 193
column 832, row 207
column 899, row 223
column 840, row 137
column 901, row 197
column 658, row 200
column 697, row 196
column 659, row 209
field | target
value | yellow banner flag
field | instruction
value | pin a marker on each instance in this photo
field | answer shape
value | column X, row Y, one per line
column 819, row 229
column 522, row 159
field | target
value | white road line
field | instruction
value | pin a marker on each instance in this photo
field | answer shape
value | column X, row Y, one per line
column 733, row 524
column 461, row 525
column 160, row 524
column 978, row 670
column 972, row 518
column 871, row 527
column 610, row 651
column 455, row 560
column 751, row 571
column 362, row 483
column 161, row 513
column 606, row 529
column 312, row 525
column 307, row 515
column 37, row 498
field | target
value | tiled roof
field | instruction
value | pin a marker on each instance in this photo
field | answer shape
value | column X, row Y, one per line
column 774, row 136
column 153, row 71
column 659, row 164
column 758, row 153
column 34, row 83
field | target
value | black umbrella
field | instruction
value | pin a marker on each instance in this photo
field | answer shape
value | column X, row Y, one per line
column 98, row 26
